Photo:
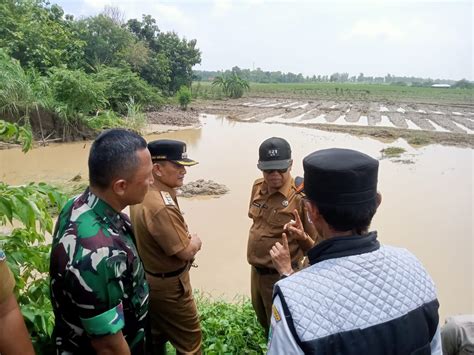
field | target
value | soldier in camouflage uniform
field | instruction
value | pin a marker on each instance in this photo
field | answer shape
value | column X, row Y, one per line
column 11, row 320
column 98, row 289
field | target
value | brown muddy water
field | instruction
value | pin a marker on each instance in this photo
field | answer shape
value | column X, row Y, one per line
column 427, row 206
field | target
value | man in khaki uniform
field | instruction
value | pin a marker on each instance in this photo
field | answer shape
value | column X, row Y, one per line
column 14, row 338
column 274, row 201
column 167, row 250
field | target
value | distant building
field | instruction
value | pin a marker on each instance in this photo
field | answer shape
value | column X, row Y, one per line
column 441, row 86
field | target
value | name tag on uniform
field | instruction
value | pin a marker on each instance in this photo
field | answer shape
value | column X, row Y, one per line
column 167, row 199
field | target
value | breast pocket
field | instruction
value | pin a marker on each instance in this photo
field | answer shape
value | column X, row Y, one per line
column 278, row 218
column 254, row 210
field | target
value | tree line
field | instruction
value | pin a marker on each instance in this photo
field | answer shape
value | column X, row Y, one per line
column 260, row 76
column 78, row 68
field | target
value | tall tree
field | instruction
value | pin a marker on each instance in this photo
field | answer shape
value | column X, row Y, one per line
column 38, row 34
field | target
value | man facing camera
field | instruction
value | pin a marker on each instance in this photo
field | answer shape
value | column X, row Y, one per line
column 276, row 199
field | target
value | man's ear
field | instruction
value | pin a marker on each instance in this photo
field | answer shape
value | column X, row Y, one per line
column 157, row 169
column 379, row 199
column 313, row 211
column 119, row 186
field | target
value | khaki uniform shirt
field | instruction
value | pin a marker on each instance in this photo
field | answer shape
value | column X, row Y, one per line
column 160, row 229
column 7, row 283
column 270, row 212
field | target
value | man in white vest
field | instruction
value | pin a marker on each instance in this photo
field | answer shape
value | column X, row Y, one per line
column 357, row 296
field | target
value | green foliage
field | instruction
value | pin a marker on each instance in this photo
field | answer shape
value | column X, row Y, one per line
column 233, row 85
column 171, row 58
column 105, row 120
column 121, row 85
column 463, row 84
column 182, row 55
column 184, row 97
column 353, row 91
column 28, row 253
column 20, row 91
column 76, row 93
column 135, row 118
column 104, row 40
column 230, row 328
column 11, row 132
column 36, row 34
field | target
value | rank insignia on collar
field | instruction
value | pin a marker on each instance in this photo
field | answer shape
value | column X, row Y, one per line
column 167, row 199
column 285, row 203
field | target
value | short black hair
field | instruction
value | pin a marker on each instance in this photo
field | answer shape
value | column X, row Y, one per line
column 114, row 154
column 348, row 217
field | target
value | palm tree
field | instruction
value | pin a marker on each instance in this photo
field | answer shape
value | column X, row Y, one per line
column 233, row 85
column 221, row 82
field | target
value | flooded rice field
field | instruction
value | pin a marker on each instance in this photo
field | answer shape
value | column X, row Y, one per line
column 427, row 205
column 408, row 116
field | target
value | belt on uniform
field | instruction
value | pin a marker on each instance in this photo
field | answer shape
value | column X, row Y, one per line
column 265, row 270
column 168, row 274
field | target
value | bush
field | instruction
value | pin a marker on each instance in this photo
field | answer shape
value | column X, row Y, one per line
column 121, row 85
column 230, row 328
column 184, row 97
column 76, row 93
column 30, row 207
column 105, row 120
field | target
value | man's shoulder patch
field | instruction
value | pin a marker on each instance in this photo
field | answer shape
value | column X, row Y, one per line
column 276, row 315
column 2, row 255
column 167, row 199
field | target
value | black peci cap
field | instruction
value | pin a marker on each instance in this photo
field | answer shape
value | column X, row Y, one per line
column 274, row 153
column 168, row 149
column 339, row 177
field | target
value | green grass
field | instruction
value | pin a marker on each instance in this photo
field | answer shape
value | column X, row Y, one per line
column 228, row 327
column 392, row 152
column 346, row 91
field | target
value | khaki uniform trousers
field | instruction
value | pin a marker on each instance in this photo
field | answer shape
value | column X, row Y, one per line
column 173, row 315
column 261, row 288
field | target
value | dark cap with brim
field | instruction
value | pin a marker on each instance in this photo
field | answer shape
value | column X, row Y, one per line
column 274, row 164
column 274, row 153
column 172, row 150
column 340, row 177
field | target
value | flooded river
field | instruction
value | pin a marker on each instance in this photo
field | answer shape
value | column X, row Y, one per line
column 427, row 206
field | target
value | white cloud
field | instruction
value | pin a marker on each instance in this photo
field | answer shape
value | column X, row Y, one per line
column 171, row 14
column 381, row 29
column 221, row 7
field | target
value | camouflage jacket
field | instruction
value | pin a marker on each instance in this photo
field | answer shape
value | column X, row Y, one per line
column 97, row 282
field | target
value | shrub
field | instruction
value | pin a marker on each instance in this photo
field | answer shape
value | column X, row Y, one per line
column 121, row 85
column 184, row 97
column 230, row 328
column 76, row 93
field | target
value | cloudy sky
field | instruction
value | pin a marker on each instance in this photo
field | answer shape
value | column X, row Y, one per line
column 375, row 37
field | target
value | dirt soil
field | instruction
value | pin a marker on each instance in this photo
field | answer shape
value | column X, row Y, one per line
column 174, row 116
column 203, row 187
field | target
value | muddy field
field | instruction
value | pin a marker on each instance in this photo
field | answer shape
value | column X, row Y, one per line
column 419, row 124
